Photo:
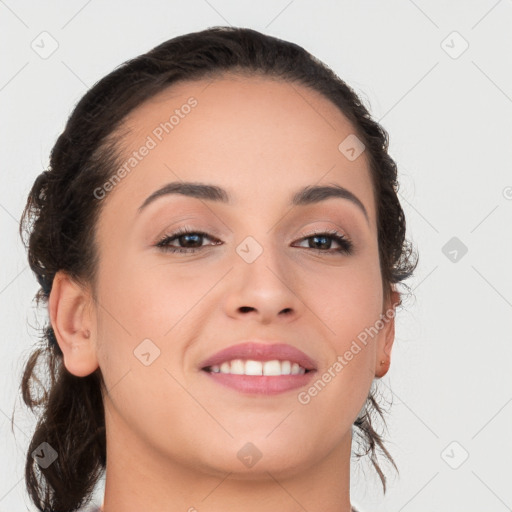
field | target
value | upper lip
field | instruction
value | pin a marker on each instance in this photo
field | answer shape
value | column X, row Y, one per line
column 260, row 352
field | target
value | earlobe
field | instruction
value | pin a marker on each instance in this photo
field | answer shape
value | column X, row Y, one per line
column 71, row 320
column 387, row 337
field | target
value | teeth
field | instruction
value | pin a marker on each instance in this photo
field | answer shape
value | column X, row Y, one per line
column 272, row 368
column 250, row 367
column 286, row 367
column 237, row 367
column 295, row 369
column 253, row 368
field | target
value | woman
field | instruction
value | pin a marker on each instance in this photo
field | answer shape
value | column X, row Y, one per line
column 218, row 240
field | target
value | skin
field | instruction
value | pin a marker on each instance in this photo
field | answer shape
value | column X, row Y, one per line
column 172, row 434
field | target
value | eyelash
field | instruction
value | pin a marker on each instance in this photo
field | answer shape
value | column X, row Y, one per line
column 346, row 246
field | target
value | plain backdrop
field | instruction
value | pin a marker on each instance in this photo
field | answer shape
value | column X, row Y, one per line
column 438, row 76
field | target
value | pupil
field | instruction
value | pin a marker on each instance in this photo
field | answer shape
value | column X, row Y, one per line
column 197, row 238
column 323, row 239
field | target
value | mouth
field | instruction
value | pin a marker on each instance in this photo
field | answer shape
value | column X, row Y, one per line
column 270, row 368
column 258, row 368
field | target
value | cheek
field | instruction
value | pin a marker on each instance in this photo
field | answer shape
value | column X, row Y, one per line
column 348, row 307
column 148, row 300
column 158, row 302
column 348, row 303
column 347, row 300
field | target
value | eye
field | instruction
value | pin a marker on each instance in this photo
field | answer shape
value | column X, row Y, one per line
column 192, row 241
column 322, row 241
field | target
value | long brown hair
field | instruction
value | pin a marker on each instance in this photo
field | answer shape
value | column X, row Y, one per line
column 57, row 227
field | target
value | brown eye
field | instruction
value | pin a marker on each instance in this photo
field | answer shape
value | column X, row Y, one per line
column 322, row 242
column 189, row 241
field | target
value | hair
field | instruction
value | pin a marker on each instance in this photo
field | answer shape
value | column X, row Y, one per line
column 61, row 214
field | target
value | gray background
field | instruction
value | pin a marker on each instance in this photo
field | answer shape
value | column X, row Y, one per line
column 449, row 115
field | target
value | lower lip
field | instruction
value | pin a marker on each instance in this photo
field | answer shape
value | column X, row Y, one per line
column 264, row 384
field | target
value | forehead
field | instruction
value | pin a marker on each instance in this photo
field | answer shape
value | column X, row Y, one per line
column 245, row 134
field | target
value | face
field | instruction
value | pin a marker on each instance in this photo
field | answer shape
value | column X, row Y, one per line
column 256, row 267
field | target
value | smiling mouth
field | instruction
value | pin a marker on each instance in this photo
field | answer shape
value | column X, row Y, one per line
column 255, row 368
column 250, row 367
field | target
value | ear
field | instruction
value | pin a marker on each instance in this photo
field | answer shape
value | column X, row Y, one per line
column 386, row 336
column 71, row 317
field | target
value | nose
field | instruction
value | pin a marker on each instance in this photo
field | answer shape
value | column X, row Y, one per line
column 262, row 290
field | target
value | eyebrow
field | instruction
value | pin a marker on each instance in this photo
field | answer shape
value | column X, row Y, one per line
column 305, row 196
